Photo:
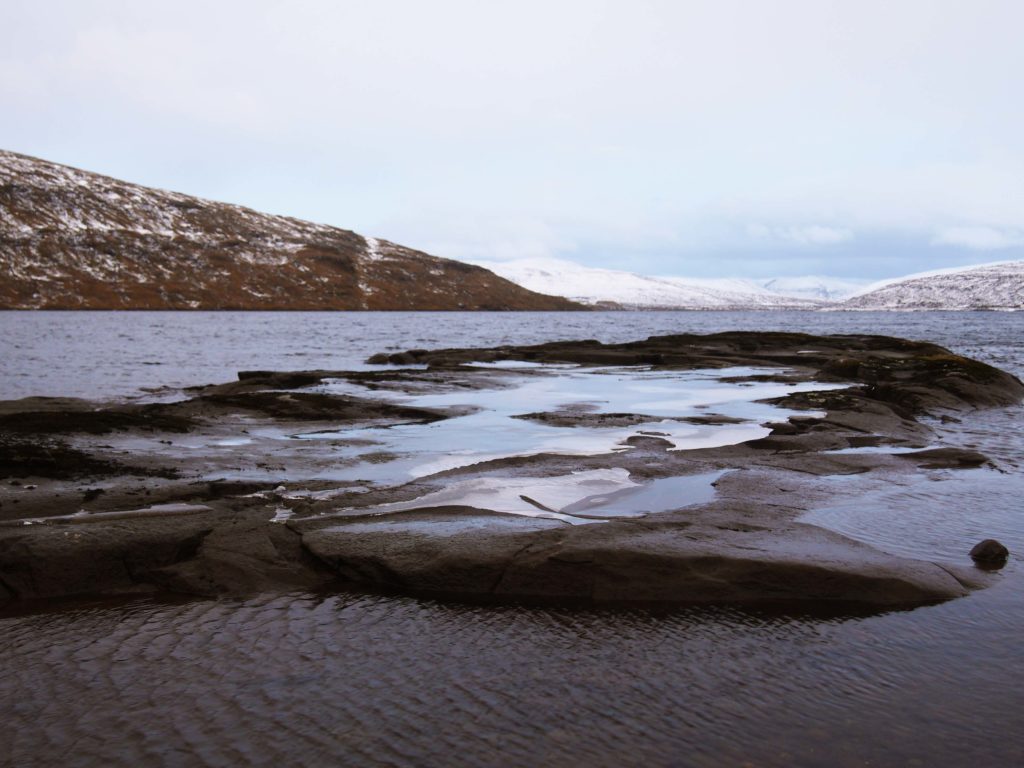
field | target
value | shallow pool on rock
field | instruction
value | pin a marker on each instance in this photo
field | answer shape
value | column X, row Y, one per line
column 495, row 428
column 580, row 497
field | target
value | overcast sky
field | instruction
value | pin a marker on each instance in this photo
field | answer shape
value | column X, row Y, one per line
column 853, row 138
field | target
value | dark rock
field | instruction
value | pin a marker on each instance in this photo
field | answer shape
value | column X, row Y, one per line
column 464, row 551
column 309, row 406
column 94, row 422
column 947, row 458
column 277, row 380
column 243, row 557
column 103, row 557
column 989, row 552
column 203, row 553
column 578, row 418
column 45, row 457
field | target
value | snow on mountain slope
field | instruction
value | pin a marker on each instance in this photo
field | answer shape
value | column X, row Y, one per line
column 73, row 239
column 70, row 239
column 999, row 285
column 814, row 287
column 631, row 291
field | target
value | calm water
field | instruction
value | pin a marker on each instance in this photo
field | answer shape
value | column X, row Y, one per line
column 359, row 679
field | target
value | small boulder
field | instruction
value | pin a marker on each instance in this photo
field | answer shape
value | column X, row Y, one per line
column 989, row 552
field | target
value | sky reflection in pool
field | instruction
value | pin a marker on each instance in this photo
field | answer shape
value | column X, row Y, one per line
column 492, row 430
column 579, row 497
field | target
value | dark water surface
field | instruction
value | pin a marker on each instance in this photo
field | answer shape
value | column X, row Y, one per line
column 360, row 679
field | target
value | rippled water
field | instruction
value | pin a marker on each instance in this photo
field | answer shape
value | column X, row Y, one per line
column 364, row 679
column 361, row 680
column 102, row 354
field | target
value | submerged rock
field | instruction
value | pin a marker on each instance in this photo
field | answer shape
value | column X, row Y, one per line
column 947, row 458
column 989, row 552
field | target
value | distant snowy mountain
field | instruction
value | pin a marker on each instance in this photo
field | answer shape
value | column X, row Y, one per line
column 607, row 287
column 814, row 287
column 999, row 285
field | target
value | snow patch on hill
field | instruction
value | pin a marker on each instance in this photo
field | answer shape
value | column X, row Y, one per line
column 815, row 287
column 997, row 285
column 597, row 287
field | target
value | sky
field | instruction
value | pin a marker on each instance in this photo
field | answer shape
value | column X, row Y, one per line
column 857, row 139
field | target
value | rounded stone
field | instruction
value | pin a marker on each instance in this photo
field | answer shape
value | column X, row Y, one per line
column 989, row 551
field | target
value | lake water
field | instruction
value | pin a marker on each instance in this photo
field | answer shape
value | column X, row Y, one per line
column 358, row 679
column 106, row 354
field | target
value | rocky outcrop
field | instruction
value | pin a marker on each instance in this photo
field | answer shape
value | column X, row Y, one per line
column 193, row 549
column 80, row 515
column 912, row 375
column 464, row 552
column 70, row 239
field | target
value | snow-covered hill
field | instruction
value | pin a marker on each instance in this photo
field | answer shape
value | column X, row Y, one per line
column 999, row 285
column 815, row 287
column 70, row 239
column 606, row 287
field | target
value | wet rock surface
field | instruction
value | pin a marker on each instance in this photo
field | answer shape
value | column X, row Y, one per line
column 989, row 551
column 241, row 487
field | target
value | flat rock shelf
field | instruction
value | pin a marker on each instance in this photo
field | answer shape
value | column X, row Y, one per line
column 677, row 469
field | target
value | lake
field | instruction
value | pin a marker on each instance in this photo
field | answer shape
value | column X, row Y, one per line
column 363, row 679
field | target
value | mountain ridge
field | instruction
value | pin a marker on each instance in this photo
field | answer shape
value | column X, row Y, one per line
column 627, row 290
column 72, row 239
column 995, row 286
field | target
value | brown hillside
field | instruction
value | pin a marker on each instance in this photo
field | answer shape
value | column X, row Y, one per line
column 70, row 239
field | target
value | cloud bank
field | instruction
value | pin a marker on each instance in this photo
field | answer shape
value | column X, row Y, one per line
column 980, row 238
column 695, row 138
